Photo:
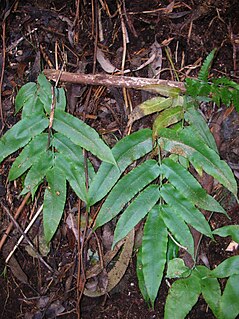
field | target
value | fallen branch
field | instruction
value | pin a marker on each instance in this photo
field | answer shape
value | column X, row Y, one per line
column 146, row 84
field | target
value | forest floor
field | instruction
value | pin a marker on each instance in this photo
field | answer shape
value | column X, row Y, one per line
column 42, row 34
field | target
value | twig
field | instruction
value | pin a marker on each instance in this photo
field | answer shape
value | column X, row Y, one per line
column 197, row 245
column 125, row 37
column 138, row 83
column 6, row 14
column 80, row 279
column 81, row 276
column 25, row 232
column 125, row 41
column 27, row 239
column 51, row 118
column 3, row 67
column 53, row 105
column 15, row 43
column 177, row 243
column 19, row 210
column 76, row 22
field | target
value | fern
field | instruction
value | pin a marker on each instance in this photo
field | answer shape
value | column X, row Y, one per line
column 218, row 90
column 203, row 74
column 162, row 192
column 56, row 155
column 202, row 280
column 181, row 195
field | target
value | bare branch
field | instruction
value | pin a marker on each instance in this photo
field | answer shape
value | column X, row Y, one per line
column 146, row 84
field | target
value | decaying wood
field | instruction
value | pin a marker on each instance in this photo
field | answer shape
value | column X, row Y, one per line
column 139, row 83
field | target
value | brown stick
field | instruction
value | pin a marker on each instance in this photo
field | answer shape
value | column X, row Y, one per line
column 20, row 208
column 138, row 83
column 3, row 68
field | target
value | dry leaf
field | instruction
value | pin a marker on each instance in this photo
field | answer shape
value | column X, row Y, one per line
column 106, row 65
column 156, row 65
column 72, row 224
column 13, row 263
column 233, row 246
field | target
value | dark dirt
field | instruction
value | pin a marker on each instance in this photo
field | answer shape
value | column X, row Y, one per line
column 187, row 31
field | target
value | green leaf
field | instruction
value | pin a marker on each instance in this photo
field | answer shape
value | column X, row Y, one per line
column 230, row 230
column 183, row 161
column 153, row 105
column 32, row 107
column 73, row 153
column 224, row 81
column 37, row 172
column 177, row 269
column 204, row 72
column 26, row 91
column 177, row 228
column 54, row 201
column 199, row 90
column 229, row 305
column 126, row 189
column 125, row 152
column 199, row 154
column 200, row 127
column 45, row 92
column 140, row 276
column 211, row 290
column 154, row 252
column 164, row 90
column 172, row 250
column 227, row 268
column 166, row 118
column 75, row 174
column 20, row 134
column 188, row 186
column 183, row 207
column 60, row 99
column 66, row 147
column 82, row 134
column 182, row 296
column 28, row 156
column 136, row 211
column 226, row 96
column 235, row 99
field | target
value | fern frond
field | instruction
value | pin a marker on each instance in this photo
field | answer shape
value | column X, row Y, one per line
column 204, row 72
column 226, row 82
